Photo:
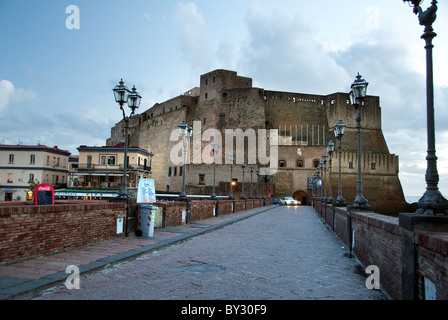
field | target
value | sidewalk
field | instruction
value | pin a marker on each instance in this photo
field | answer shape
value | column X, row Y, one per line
column 17, row 280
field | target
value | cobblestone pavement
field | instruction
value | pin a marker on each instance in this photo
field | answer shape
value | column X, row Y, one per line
column 282, row 254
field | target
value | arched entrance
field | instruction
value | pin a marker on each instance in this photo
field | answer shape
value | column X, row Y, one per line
column 301, row 196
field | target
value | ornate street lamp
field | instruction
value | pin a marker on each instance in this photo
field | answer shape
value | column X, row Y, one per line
column 243, row 165
column 330, row 150
column 185, row 131
column 319, row 180
column 257, row 186
column 324, row 162
column 215, row 148
column 123, row 95
column 357, row 97
column 231, row 158
column 150, row 163
column 251, row 196
column 339, row 131
column 432, row 202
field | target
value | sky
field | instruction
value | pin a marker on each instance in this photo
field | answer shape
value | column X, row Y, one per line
column 60, row 60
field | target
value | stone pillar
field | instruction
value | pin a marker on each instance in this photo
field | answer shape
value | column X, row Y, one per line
column 410, row 225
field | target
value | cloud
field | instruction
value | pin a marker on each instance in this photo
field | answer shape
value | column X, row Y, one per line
column 282, row 53
column 9, row 94
column 191, row 30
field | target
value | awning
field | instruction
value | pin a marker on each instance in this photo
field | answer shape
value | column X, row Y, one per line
column 86, row 194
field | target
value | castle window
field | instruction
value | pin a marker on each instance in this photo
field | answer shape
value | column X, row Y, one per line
column 350, row 165
column 282, row 163
column 204, row 121
column 206, row 95
column 300, row 163
column 214, row 79
column 180, row 171
column 175, row 171
column 222, row 117
column 316, row 163
column 202, row 179
column 169, row 171
column 206, row 82
column 373, row 166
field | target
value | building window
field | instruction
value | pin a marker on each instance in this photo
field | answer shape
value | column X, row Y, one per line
column 316, row 163
column 350, row 165
column 206, row 82
column 32, row 159
column 180, row 171
column 169, row 171
column 103, row 160
column 11, row 158
column 31, row 177
column 111, row 161
column 282, row 163
column 206, row 95
column 10, row 177
column 214, row 79
column 300, row 163
column 175, row 171
column 373, row 166
column 202, row 179
column 222, row 117
column 63, row 163
column 204, row 121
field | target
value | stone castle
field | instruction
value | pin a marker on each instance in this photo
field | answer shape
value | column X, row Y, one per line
column 225, row 101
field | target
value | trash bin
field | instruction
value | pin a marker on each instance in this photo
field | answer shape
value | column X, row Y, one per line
column 147, row 220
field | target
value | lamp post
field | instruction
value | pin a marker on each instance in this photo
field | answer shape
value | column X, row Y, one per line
column 185, row 131
column 123, row 95
column 243, row 165
column 357, row 97
column 324, row 162
column 257, row 172
column 432, row 202
column 215, row 148
column 150, row 163
column 231, row 158
column 319, row 180
column 251, row 196
column 339, row 131
column 330, row 150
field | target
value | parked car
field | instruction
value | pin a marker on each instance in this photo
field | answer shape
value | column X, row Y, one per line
column 288, row 201
column 276, row 201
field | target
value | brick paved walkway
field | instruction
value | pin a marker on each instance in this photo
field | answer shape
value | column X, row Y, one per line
column 281, row 254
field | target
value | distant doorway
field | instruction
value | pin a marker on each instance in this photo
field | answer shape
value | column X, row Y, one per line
column 301, row 196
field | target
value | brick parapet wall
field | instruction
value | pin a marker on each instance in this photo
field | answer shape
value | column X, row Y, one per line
column 202, row 209
column 172, row 212
column 28, row 231
column 377, row 240
column 433, row 262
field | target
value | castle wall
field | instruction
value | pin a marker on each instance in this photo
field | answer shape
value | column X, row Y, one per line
column 304, row 122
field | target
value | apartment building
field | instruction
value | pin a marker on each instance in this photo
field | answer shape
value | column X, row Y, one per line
column 24, row 165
